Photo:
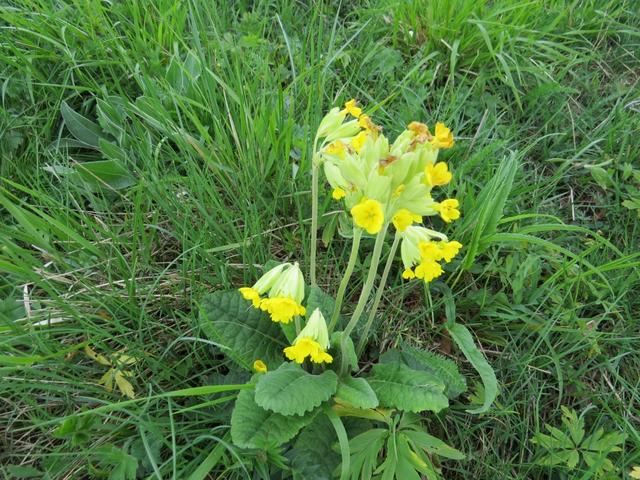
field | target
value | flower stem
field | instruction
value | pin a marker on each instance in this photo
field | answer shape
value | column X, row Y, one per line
column 314, row 218
column 353, row 256
column 378, row 297
column 364, row 295
column 297, row 323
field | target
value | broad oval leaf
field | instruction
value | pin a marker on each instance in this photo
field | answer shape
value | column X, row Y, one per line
column 254, row 427
column 245, row 333
column 104, row 174
column 317, row 298
column 290, row 390
column 443, row 368
column 80, row 127
column 398, row 386
column 356, row 392
column 312, row 456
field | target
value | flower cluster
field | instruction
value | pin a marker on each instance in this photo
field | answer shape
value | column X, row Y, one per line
column 284, row 286
column 381, row 182
column 421, row 254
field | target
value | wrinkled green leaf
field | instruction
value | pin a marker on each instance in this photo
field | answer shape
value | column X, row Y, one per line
column 356, row 392
column 254, row 427
column 398, row 386
column 443, row 368
column 313, row 456
column 245, row 333
column 290, row 390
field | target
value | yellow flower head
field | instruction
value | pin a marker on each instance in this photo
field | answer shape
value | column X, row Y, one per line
column 312, row 341
column 304, row 347
column 352, row 107
column 443, row 137
column 408, row 274
column 357, row 142
column 338, row 193
column 282, row 309
column 264, row 284
column 259, row 366
column 368, row 215
column 437, row 175
column 635, row 472
column 448, row 209
column 252, row 294
column 449, row 250
column 428, row 270
column 430, row 251
column 404, row 218
column 336, row 148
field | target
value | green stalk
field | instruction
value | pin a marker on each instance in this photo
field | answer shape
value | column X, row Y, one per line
column 314, row 217
column 364, row 295
column 353, row 256
column 378, row 297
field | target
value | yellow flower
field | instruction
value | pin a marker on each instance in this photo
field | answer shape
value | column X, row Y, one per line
column 336, row 148
column 338, row 193
column 408, row 274
column 352, row 108
column 428, row 270
column 443, row 137
column 357, row 142
column 404, row 218
column 264, row 284
column 437, row 175
column 430, row 251
column 282, row 309
column 448, row 209
column 259, row 366
column 304, row 347
column 450, row 250
column 252, row 294
column 368, row 215
column 635, row 472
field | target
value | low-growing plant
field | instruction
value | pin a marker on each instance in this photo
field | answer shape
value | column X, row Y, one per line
column 571, row 449
column 310, row 389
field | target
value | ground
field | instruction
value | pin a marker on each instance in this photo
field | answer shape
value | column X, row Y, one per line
column 209, row 110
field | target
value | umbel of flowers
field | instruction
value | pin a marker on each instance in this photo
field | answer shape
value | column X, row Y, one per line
column 379, row 183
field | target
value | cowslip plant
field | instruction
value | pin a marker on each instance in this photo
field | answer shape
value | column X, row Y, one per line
column 309, row 391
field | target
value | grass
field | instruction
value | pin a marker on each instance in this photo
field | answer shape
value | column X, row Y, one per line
column 212, row 109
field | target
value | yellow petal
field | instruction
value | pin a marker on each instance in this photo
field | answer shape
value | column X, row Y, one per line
column 368, row 215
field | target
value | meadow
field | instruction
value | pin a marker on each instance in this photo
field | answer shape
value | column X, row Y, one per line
column 153, row 153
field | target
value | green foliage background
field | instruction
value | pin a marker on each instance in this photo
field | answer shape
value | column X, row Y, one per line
column 200, row 115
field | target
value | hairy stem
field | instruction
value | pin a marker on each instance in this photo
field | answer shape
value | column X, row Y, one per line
column 353, row 256
column 364, row 295
column 314, row 219
column 378, row 297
